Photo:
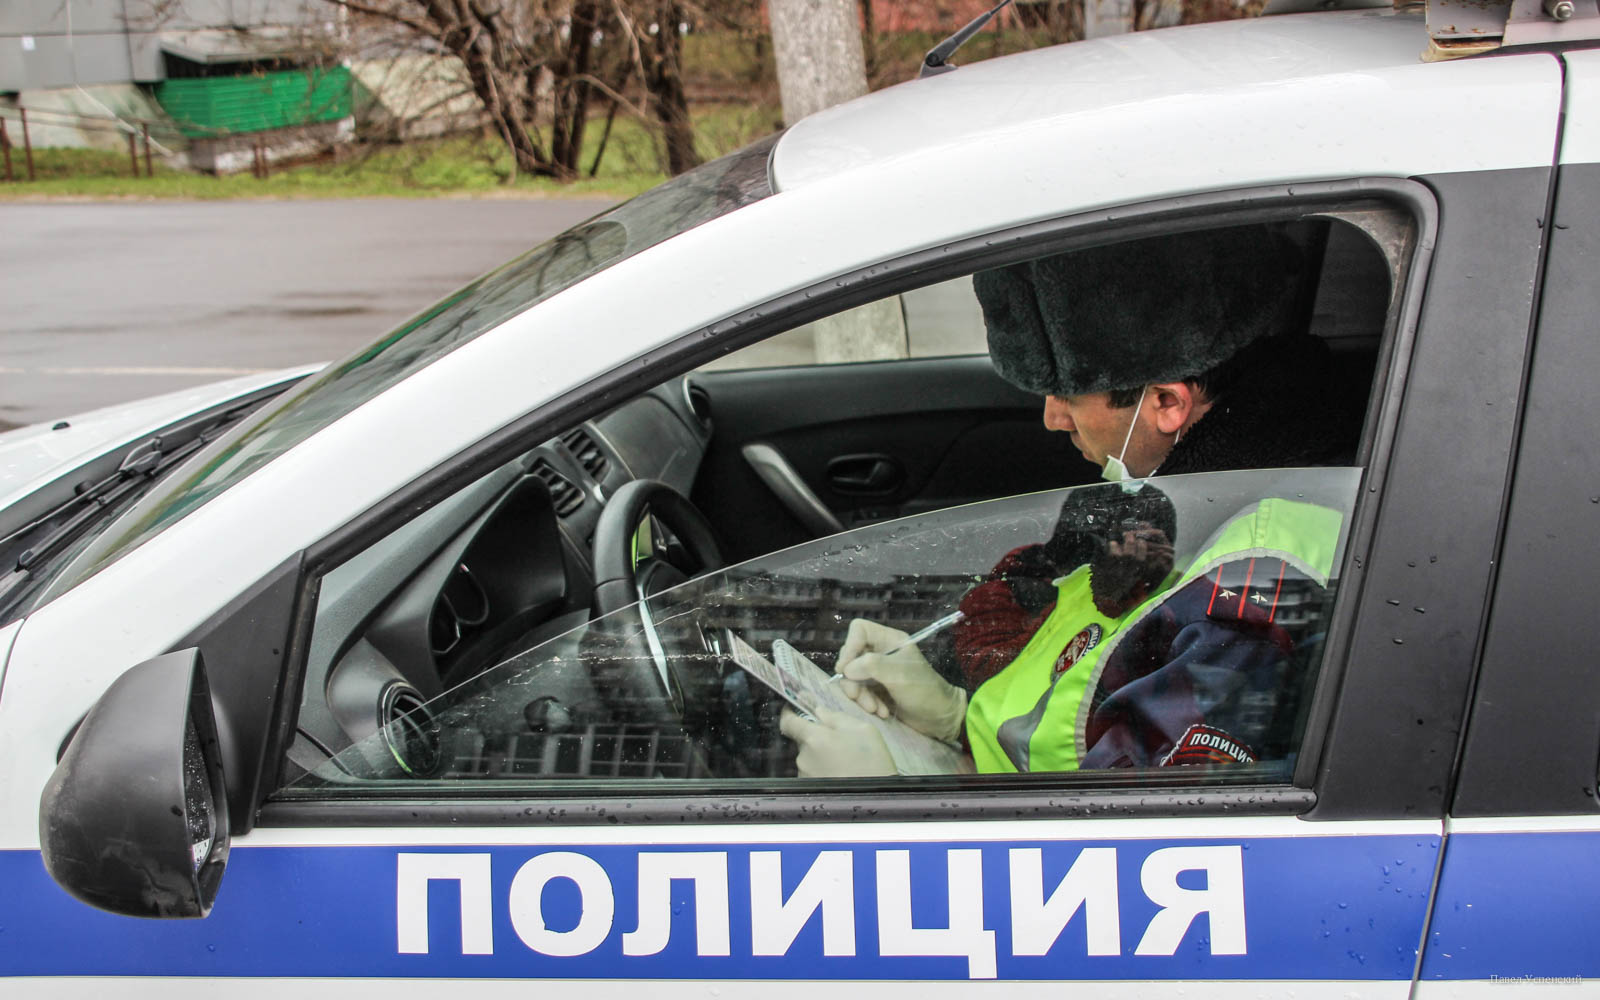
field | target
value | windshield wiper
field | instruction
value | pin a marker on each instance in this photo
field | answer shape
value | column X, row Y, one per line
column 140, row 467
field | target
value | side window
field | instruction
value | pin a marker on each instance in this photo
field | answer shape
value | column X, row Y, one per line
column 573, row 617
column 939, row 320
column 1176, row 625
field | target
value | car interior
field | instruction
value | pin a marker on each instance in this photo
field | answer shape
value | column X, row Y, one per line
column 496, row 635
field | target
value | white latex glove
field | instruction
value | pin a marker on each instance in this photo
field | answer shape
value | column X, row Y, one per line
column 836, row 745
column 904, row 685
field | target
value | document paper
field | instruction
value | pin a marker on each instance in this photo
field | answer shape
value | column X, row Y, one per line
column 806, row 686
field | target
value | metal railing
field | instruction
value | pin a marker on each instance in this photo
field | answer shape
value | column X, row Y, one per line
column 141, row 133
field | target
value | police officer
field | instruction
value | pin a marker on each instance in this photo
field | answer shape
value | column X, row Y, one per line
column 1164, row 355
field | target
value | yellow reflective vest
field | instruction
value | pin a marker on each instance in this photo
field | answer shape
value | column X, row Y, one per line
column 1033, row 715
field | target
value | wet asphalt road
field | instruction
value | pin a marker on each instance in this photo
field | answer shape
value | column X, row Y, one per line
column 104, row 303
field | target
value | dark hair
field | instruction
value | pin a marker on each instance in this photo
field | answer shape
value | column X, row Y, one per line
column 1212, row 383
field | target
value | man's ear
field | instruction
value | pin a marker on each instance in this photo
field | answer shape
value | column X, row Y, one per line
column 1175, row 403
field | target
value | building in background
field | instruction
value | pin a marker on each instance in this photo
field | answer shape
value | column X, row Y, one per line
column 222, row 78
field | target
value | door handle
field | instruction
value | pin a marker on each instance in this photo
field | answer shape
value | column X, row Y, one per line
column 774, row 470
column 865, row 475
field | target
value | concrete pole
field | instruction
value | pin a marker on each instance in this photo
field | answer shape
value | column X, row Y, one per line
column 817, row 46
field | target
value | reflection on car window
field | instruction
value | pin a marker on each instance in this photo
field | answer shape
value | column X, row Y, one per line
column 1173, row 626
column 677, row 206
column 938, row 320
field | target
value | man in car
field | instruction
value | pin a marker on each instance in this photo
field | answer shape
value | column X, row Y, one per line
column 1168, row 355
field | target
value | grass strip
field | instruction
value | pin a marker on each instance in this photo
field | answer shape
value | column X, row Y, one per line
column 458, row 166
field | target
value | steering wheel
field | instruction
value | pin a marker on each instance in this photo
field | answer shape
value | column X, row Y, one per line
column 630, row 663
column 618, row 581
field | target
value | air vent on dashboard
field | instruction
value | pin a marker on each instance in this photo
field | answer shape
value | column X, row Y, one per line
column 586, row 451
column 563, row 493
column 409, row 729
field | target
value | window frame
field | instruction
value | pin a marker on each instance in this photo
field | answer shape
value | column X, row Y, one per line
column 1527, row 670
column 1419, row 620
column 1028, row 796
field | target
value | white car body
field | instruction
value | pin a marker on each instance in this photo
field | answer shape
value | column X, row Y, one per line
column 1115, row 121
column 31, row 457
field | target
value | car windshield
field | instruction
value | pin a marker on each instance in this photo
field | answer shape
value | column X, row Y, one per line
column 677, row 206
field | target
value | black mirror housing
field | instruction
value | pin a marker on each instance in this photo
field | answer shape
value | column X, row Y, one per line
column 135, row 818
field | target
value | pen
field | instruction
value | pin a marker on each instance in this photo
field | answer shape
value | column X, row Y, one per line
column 932, row 628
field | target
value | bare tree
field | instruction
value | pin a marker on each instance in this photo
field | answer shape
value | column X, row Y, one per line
column 1064, row 21
column 655, row 29
column 535, row 61
column 573, row 65
column 869, row 37
column 507, row 50
column 1201, row 11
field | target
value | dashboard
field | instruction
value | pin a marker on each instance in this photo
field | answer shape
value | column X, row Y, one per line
column 501, row 566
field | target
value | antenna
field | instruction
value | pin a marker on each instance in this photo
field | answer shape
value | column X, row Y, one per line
column 937, row 59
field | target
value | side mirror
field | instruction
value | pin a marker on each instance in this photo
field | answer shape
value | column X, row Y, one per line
column 135, row 818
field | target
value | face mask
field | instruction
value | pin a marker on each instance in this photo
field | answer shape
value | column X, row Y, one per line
column 1115, row 471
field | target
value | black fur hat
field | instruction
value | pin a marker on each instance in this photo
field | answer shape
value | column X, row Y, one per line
column 1135, row 313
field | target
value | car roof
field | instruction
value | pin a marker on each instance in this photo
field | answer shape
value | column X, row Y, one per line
column 1074, row 85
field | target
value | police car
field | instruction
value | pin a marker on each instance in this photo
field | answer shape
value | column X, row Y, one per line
column 345, row 679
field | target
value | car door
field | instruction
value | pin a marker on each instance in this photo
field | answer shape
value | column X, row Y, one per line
column 1520, row 879
column 1314, row 869
column 811, row 442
